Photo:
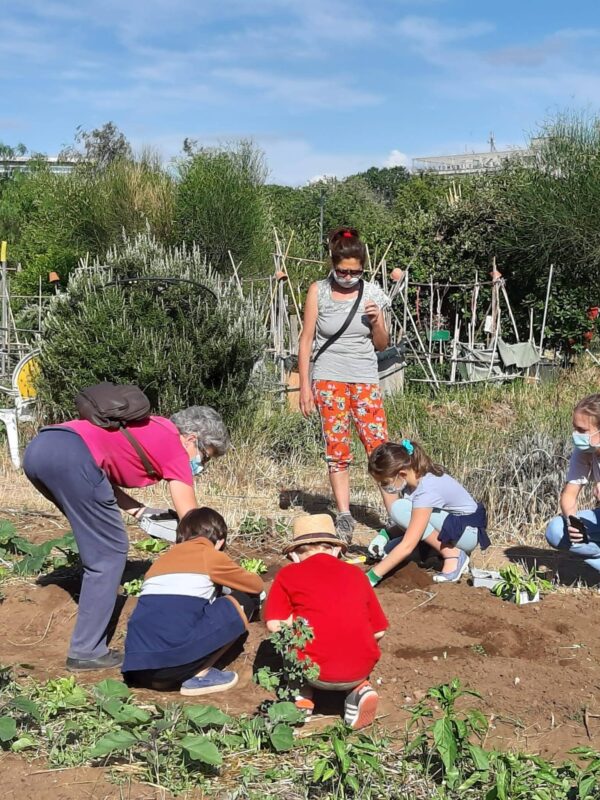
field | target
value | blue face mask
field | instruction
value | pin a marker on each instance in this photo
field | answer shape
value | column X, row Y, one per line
column 196, row 465
column 582, row 441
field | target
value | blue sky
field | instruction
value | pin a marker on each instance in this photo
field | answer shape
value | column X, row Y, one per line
column 323, row 86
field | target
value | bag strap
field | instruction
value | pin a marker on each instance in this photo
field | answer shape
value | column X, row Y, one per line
column 344, row 327
column 150, row 471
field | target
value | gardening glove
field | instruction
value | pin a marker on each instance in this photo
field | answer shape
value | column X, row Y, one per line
column 373, row 578
column 377, row 545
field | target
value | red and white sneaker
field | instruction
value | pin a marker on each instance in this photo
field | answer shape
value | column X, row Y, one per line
column 360, row 707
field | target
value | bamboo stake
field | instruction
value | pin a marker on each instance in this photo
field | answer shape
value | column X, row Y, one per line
column 236, row 275
column 455, row 348
column 430, row 314
column 510, row 313
column 546, row 308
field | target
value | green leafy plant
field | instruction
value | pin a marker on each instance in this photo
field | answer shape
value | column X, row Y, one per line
column 256, row 565
column 151, row 545
column 515, row 584
column 34, row 558
column 288, row 642
column 445, row 744
column 133, row 587
column 253, row 526
column 347, row 764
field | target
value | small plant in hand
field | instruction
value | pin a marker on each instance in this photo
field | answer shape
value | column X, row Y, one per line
column 133, row 587
column 256, row 565
column 150, row 545
column 516, row 585
column 287, row 642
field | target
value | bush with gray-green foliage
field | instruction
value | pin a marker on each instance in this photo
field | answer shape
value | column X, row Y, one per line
column 176, row 341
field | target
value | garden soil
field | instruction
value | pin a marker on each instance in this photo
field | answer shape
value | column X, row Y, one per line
column 536, row 667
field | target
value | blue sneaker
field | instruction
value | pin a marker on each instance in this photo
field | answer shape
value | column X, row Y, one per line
column 215, row 680
column 462, row 566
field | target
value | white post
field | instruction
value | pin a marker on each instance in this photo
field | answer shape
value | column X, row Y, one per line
column 546, row 308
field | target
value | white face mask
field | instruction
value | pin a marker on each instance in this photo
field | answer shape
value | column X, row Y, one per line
column 393, row 489
column 346, row 283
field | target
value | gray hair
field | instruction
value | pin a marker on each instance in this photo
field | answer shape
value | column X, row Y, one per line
column 207, row 424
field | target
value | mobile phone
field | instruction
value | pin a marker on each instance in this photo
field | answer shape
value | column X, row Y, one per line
column 577, row 523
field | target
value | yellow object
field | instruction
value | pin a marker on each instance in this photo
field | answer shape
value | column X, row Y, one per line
column 3, row 251
column 25, row 374
column 355, row 559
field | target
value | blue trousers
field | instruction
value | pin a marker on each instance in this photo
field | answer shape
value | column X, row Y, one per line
column 60, row 466
column 401, row 512
column 556, row 535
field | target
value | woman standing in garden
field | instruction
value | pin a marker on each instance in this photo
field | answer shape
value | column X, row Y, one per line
column 582, row 540
column 82, row 468
column 343, row 328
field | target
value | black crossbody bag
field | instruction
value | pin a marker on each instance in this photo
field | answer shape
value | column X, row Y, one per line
column 343, row 328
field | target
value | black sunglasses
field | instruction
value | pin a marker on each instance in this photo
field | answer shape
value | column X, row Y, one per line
column 348, row 273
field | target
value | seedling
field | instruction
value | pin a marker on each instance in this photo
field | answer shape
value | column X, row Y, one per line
column 253, row 526
column 151, row 545
column 288, row 642
column 519, row 587
column 134, row 587
column 256, row 565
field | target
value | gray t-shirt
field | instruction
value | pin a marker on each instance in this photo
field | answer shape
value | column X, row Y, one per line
column 352, row 358
column 442, row 493
column 583, row 466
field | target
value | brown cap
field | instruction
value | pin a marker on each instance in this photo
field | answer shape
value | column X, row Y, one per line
column 314, row 529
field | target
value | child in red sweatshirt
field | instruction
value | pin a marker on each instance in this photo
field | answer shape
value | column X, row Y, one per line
column 339, row 604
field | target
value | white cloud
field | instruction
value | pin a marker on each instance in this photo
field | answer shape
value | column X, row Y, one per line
column 397, row 158
column 298, row 91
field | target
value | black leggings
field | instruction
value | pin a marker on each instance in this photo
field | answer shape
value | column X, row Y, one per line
column 173, row 677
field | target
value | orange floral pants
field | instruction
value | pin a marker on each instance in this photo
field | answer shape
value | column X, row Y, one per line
column 337, row 403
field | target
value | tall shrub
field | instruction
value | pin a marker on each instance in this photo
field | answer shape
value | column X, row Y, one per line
column 179, row 342
column 220, row 207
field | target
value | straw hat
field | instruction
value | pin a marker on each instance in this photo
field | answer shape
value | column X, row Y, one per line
column 314, row 529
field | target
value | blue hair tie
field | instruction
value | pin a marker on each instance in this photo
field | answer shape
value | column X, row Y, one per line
column 407, row 446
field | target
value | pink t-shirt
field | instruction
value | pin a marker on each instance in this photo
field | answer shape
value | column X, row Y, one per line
column 114, row 454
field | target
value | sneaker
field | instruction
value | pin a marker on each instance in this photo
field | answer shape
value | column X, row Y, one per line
column 109, row 660
column 361, row 706
column 305, row 704
column 462, row 566
column 215, row 680
column 344, row 525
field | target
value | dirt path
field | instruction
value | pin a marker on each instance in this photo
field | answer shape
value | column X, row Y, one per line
column 536, row 667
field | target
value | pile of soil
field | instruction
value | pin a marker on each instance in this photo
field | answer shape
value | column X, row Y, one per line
column 535, row 666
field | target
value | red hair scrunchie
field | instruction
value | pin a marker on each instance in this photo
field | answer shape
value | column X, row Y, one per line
column 347, row 235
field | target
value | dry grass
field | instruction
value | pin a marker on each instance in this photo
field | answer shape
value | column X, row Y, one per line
column 508, row 445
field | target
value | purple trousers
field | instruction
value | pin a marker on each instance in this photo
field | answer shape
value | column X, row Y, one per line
column 60, row 466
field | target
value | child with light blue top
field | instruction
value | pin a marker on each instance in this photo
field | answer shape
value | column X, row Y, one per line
column 434, row 508
column 584, row 466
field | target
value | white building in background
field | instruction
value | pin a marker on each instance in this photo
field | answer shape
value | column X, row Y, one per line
column 56, row 164
column 476, row 163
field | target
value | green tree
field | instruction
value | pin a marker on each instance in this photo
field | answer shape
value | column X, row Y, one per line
column 220, row 206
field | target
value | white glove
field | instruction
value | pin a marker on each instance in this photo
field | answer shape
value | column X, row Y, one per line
column 377, row 545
